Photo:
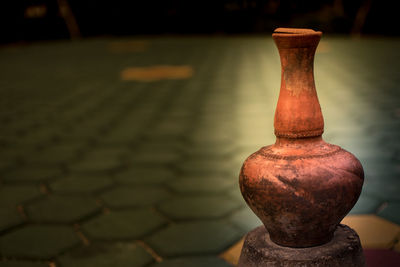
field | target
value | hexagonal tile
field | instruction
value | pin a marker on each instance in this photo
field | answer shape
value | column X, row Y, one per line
column 202, row 184
column 12, row 195
column 32, row 174
column 145, row 176
column 387, row 190
column 134, row 196
column 76, row 133
column 65, row 209
column 108, row 151
column 106, row 255
column 199, row 207
column 193, row 238
column 126, row 224
column 245, row 219
column 232, row 254
column 14, row 263
column 206, row 137
column 209, row 149
column 37, row 135
column 100, row 159
column 154, row 157
column 193, row 262
column 206, row 165
column 7, row 160
column 391, row 212
column 95, row 165
column 166, row 134
column 9, row 217
column 366, row 205
column 397, row 245
column 79, row 183
column 54, row 155
column 375, row 168
column 38, row 241
column 374, row 232
column 121, row 135
column 166, row 149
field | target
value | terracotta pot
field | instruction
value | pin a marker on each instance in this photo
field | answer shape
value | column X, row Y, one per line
column 300, row 187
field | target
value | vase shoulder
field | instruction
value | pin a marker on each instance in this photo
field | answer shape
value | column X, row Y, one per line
column 306, row 156
column 299, row 150
column 305, row 161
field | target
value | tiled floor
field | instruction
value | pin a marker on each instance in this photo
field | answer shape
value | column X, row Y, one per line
column 100, row 169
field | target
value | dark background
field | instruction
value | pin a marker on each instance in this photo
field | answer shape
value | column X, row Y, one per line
column 121, row 17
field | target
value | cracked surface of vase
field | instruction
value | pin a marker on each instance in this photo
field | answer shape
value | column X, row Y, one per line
column 300, row 187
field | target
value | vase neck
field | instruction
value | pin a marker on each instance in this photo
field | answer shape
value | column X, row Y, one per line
column 298, row 113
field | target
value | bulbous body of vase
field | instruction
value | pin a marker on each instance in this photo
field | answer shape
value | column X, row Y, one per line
column 300, row 187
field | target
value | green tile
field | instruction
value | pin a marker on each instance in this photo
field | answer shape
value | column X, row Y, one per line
column 122, row 137
column 12, row 195
column 245, row 219
column 209, row 149
column 193, row 238
column 202, row 184
column 193, row 262
column 9, row 217
column 106, row 152
column 6, row 163
column 54, row 154
column 38, row 136
column 237, row 194
column 144, row 176
column 105, row 255
column 16, row 150
column 123, row 225
column 366, row 205
column 130, row 196
column 38, row 241
column 95, row 165
column 168, row 128
column 14, row 263
column 66, row 209
column 206, row 166
column 32, row 174
column 384, row 189
column 172, row 135
column 80, row 183
column 167, row 149
column 211, row 135
column 380, row 168
column 100, row 159
column 198, row 207
column 156, row 157
column 391, row 212
column 75, row 135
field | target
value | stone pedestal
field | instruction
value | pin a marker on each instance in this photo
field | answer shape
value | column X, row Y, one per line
column 343, row 250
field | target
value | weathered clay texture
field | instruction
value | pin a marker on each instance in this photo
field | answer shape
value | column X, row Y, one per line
column 300, row 187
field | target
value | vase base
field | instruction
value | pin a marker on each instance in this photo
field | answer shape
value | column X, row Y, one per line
column 343, row 250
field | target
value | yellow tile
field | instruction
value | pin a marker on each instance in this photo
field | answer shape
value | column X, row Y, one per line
column 323, row 47
column 233, row 253
column 158, row 72
column 128, row 46
column 374, row 231
column 397, row 245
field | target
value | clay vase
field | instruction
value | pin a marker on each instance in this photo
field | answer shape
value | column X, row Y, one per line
column 300, row 187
